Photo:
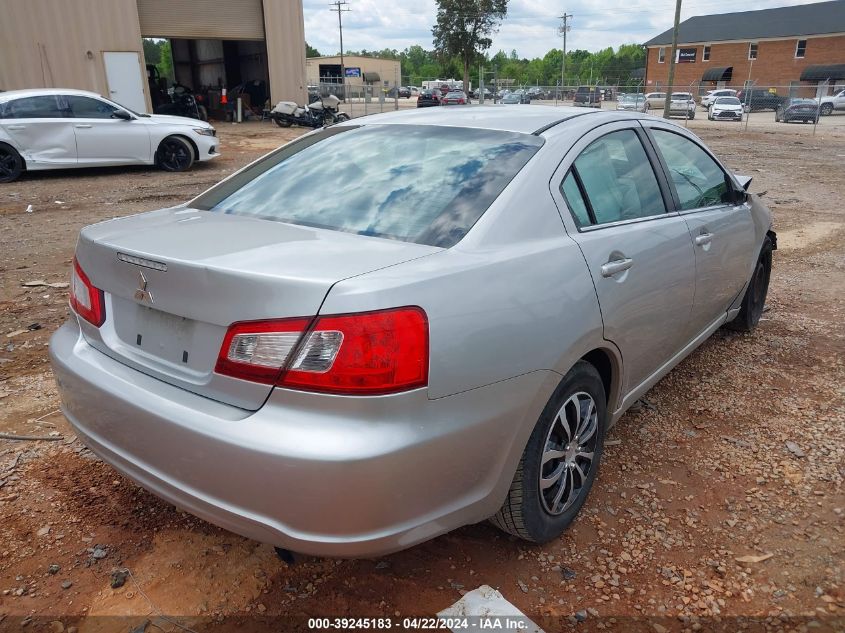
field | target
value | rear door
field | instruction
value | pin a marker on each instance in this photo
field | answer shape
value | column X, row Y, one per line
column 40, row 127
column 125, row 78
column 721, row 226
column 103, row 139
column 638, row 252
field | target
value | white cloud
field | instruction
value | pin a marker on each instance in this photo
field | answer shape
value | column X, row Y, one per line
column 530, row 28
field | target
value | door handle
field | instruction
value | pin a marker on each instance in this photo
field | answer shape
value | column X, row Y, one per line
column 16, row 127
column 704, row 238
column 83, row 125
column 616, row 266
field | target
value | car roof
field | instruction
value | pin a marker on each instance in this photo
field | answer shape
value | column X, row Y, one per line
column 488, row 117
column 35, row 92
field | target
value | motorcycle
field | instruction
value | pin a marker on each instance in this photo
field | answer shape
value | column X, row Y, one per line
column 318, row 114
column 183, row 103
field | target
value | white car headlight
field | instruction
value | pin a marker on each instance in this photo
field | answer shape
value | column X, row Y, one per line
column 205, row 131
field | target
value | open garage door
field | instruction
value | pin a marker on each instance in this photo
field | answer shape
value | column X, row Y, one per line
column 202, row 19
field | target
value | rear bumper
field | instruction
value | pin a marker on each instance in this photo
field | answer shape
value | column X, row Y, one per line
column 321, row 475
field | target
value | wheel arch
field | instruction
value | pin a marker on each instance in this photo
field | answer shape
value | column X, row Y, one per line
column 608, row 364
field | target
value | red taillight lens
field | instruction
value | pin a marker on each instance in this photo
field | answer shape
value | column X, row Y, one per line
column 86, row 299
column 369, row 353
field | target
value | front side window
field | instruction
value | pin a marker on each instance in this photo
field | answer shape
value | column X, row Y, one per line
column 752, row 50
column 705, row 54
column 661, row 55
column 88, row 108
column 800, row 48
column 40, row 107
column 414, row 183
column 616, row 180
column 698, row 180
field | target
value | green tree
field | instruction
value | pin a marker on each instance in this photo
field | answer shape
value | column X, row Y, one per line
column 464, row 27
column 165, row 65
column 310, row 51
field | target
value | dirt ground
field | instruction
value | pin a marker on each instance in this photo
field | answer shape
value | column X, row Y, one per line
column 719, row 502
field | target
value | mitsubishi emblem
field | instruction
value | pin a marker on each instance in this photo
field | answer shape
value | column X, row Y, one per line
column 142, row 293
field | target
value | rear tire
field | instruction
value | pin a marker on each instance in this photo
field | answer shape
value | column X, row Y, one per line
column 281, row 122
column 827, row 109
column 11, row 163
column 342, row 116
column 571, row 427
column 175, row 154
column 755, row 294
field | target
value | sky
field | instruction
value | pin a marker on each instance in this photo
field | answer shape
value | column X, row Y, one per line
column 531, row 27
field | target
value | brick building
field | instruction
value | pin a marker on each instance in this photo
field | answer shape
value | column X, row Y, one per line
column 798, row 50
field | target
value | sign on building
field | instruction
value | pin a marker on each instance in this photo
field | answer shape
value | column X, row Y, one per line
column 686, row 55
column 354, row 71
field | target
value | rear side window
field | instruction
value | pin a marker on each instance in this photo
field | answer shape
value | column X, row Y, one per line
column 40, row 107
column 617, row 181
column 698, row 179
column 415, row 183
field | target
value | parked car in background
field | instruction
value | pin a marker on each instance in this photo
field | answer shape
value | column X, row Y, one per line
column 404, row 92
column 635, row 102
column 319, row 372
column 655, row 100
column 428, row 97
column 833, row 103
column 682, row 104
column 415, row 92
column 797, row 109
column 725, row 109
column 535, row 92
column 524, row 97
column 455, row 97
column 512, row 98
column 59, row 128
column 587, row 96
column 710, row 96
column 759, row 100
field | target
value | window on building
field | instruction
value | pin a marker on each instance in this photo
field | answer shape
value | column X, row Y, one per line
column 661, row 55
column 705, row 54
column 800, row 48
column 752, row 50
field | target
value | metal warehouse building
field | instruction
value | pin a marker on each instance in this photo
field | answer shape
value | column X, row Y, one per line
column 97, row 45
column 799, row 49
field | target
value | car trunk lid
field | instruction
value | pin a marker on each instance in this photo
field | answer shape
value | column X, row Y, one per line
column 174, row 281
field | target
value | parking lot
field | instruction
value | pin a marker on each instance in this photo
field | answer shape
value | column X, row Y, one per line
column 720, row 496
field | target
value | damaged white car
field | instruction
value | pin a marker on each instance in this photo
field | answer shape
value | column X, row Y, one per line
column 61, row 128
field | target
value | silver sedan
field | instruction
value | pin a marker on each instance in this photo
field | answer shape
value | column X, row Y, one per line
column 402, row 324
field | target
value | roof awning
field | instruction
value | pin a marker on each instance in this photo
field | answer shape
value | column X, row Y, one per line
column 823, row 72
column 638, row 73
column 723, row 73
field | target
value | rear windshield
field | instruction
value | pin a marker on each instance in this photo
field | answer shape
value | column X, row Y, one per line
column 728, row 101
column 415, row 183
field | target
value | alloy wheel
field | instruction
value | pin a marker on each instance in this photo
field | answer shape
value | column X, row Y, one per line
column 568, row 453
column 174, row 155
column 8, row 163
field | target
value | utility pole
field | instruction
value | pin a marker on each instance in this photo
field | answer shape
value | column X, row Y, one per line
column 562, row 29
column 671, row 79
column 340, row 7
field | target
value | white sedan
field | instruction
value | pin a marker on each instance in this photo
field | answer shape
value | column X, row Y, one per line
column 59, row 128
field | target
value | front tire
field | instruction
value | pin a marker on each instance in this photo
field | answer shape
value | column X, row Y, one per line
column 342, row 116
column 827, row 109
column 560, row 461
column 755, row 294
column 11, row 163
column 175, row 154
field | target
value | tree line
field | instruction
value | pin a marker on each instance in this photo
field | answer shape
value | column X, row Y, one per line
column 608, row 66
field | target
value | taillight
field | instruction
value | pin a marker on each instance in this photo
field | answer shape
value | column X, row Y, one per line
column 368, row 353
column 86, row 299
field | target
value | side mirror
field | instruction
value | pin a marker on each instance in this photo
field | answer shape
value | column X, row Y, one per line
column 121, row 114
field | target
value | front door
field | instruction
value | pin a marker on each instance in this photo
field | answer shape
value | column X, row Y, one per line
column 42, row 130
column 125, row 80
column 721, row 228
column 639, row 254
column 104, row 139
